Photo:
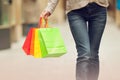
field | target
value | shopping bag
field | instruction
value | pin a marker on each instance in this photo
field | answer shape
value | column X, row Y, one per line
column 42, row 45
column 27, row 43
column 37, row 50
column 32, row 42
column 52, row 42
column 44, row 42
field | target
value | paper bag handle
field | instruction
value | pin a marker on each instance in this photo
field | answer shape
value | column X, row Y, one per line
column 43, row 23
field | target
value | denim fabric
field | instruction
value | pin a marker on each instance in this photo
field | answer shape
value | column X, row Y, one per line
column 87, row 26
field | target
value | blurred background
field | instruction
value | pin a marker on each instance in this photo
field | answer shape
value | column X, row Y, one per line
column 16, row 18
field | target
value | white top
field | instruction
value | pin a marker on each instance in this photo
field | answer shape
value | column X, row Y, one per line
column 74, row 4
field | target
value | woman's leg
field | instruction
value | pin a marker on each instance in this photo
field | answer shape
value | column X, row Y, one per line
column 96, row 24
column 79, row 31
column 87, row 41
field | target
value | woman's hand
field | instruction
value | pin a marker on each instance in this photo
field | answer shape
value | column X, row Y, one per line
column 45, row 14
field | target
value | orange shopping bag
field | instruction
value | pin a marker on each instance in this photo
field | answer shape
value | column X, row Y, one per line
column 32, row 42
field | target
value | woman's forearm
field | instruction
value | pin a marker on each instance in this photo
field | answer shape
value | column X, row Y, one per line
column 51, row 5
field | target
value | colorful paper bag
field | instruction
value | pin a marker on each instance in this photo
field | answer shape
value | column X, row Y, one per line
column 44, row 42
column 27, row 43
column 32, row 42
column 37, row 49
column 52, row 42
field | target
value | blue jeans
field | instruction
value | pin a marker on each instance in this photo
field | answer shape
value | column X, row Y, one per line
column 87, row 26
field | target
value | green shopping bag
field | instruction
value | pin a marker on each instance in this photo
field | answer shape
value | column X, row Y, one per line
column 51, row 42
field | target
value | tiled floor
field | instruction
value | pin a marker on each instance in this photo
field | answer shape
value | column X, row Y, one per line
column 15, row 65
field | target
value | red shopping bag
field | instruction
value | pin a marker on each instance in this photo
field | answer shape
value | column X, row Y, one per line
column 27, row 43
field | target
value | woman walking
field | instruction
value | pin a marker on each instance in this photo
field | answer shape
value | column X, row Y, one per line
column 87, row 20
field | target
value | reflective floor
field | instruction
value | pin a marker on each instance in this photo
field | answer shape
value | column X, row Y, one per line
column 15, row 65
